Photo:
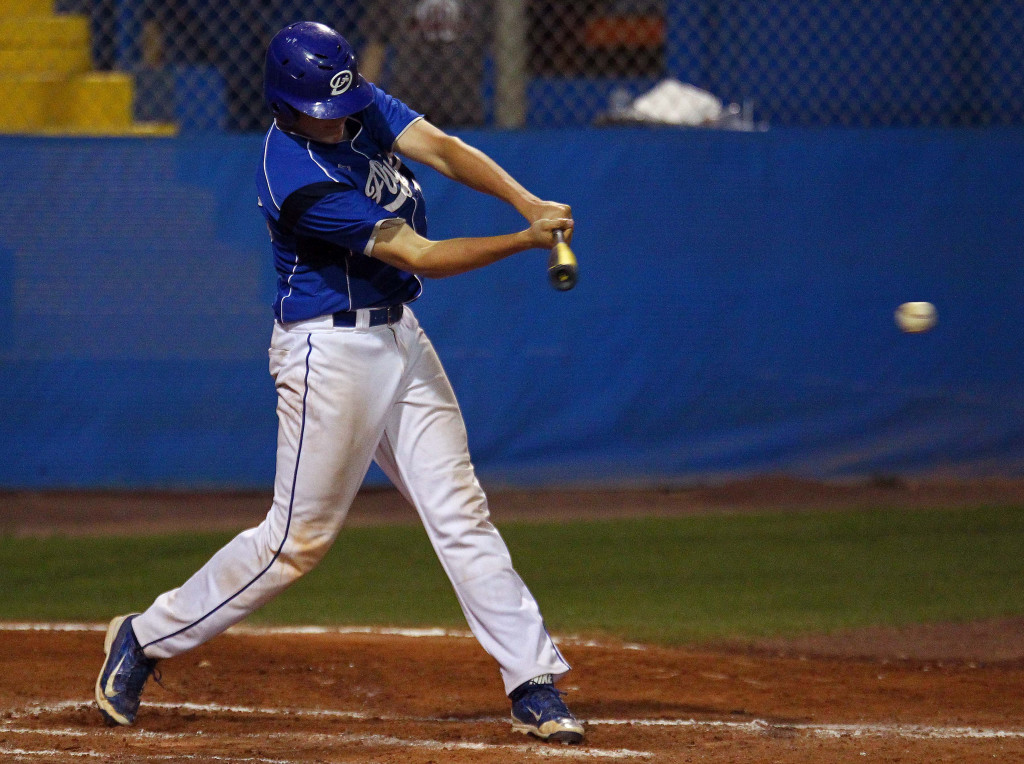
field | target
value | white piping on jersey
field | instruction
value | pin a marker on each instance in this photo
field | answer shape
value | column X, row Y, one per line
column 368, row 249
column 309, row 150
column 415, row 182
column 295, row 265
column 348, row 283
column 266, row 145
column 395, row 142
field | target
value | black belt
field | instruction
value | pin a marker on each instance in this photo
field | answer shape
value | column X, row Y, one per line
column 378, row 316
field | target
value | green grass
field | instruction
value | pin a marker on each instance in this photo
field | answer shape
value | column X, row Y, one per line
column 662, row 580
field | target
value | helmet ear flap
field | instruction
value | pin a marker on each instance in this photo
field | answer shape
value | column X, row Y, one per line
column 285, row 115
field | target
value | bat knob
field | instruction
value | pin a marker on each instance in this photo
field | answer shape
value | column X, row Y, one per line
column 562, row 265
column 562, row 277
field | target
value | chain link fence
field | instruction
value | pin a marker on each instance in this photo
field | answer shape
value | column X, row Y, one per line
column 196, row 65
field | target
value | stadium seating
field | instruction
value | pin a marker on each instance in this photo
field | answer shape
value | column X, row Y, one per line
column 47, row 82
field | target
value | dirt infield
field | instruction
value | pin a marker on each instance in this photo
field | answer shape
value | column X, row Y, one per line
column 940, row 693
column 336, row 697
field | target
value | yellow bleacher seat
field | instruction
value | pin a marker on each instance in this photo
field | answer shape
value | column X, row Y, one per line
column 47, row 85
column 41, row 32
column 14, row 8
column 15, row 61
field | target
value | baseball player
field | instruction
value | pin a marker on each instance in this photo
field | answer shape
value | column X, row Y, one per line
column 357, row 379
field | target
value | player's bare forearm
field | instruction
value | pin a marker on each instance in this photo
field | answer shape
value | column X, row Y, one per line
column 450, row 257
column 404, row 248
column 454, row 158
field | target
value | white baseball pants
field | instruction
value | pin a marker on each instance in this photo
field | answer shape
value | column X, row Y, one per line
column 347, row 397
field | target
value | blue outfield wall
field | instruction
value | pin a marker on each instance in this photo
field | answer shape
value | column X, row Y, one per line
column 734, row 313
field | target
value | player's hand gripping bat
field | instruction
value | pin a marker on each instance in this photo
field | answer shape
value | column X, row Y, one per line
column 562, row 265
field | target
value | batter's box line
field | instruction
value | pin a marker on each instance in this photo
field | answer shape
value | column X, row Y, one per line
column 753, row 726
column 38, row 709
column 61, row 755
column 527, row 748
column 907, row 731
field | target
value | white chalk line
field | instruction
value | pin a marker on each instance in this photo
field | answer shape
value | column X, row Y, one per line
column 350, row 739
column 386, row 631
column 52, row 627
column 752, row 726
column 50, row 753
column 909, row 731
column 755, row 726
column 258, row 630
column 346, row 738
column 340, row 739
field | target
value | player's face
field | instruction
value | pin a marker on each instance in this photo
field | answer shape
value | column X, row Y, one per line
column 320, row 130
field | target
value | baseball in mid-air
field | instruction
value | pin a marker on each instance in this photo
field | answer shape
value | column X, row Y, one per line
column 915, row 317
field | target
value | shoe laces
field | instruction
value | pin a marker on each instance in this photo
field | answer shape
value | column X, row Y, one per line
column 139, row 671
column 546, row 699
column 137, row 677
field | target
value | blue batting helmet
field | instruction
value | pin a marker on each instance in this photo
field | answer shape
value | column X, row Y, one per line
column 312, row 69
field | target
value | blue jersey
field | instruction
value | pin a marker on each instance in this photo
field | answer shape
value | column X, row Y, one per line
column 324, row 204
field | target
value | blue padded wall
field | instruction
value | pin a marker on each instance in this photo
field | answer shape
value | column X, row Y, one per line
column 734, row 313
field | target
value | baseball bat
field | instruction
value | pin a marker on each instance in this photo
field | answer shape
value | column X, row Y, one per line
column 561, row 265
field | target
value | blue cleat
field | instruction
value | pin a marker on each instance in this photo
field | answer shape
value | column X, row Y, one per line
column 538, row 710
column 124, row 673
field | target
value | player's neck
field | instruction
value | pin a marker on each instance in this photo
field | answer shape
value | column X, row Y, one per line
column 319, row 130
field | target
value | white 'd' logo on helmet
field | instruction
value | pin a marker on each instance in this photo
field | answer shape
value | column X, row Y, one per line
column 341, row 82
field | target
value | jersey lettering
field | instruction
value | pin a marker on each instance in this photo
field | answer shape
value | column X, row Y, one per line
column 383, row 178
